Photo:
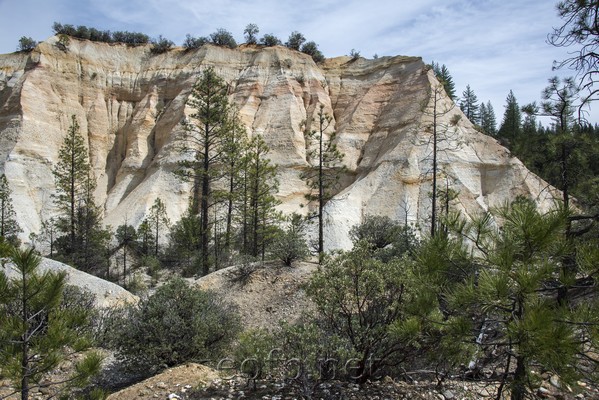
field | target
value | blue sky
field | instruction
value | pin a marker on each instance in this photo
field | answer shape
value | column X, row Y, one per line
column 492, row 45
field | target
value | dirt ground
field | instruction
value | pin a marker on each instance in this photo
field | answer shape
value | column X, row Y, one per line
column 269, row 294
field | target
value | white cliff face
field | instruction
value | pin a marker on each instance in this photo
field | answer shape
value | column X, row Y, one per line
column 129, row 104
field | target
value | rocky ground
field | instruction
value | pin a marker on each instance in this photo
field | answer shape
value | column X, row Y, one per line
column 197, row 382
column 263, row 293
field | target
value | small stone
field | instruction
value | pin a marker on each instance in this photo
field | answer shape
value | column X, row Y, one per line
column 448, row 395
column 161, row 385
column 554, row 380
column 543, row 392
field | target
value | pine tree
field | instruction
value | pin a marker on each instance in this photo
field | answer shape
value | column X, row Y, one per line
column 469, row 105
column 510, row 294
column 126, row 238
column 145, row 238
column 72, row 179
column 84, row 241
column 559, row 100
column 203, row 142
column 488, row 122
column 262, row 186
column 443, row 75
column 36, row 330
column 325, row 169
column 9, row 227
column 580, row 29
column 157, row 221
column 439, row 132
column 511, row 126
column 235, row 147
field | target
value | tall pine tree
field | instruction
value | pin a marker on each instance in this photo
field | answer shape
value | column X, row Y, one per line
column 488, row 122
column 262, row 187
column 157, row 221
column 440, row 132
column 469, row 105
column 72, row 179
column 83, row 240
column 443, row 75
column 9, row 227
column 325, row 168
column 511, row 125
column 206, row 132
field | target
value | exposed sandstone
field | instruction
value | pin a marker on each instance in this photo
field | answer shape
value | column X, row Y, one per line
column 129, row 104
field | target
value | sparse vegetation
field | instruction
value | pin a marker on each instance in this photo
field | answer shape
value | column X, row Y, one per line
column 250, row 32
column 270, row 40
column 161, row 45
column 93, row 34
column 26, row 44
column 295, row 40
column 194, row 42
column 223, row 38
column 311, row 49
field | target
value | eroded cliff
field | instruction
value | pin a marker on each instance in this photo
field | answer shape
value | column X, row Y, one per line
column 129, row 104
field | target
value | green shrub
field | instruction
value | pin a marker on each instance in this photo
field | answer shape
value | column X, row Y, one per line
column 193, row 42
column 253, row 353
column 161, row 45
column 310, row 353
column 177, row 324
column 311, row 49
column 386, row 238
column 224, row 38
column 269, row 40
column 26, row 44
column 360, row 299
column 289, row 245
column 295, row 41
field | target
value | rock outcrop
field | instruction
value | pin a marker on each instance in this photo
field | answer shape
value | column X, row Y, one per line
column 129, row 104
column 107, row 294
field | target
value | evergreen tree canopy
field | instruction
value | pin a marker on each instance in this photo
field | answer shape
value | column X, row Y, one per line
column 36, row 330
column 511, row 125
column 488, row 122
column 469, row 105
column 445, row 78
column 9, row 227
column 84, row 240
column 580, row 29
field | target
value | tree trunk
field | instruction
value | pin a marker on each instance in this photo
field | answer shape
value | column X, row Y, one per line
column 205, row 234
column 519, row 385
column 434, row 205
column 25, row 341
column 125, row 267
column 321, row 198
